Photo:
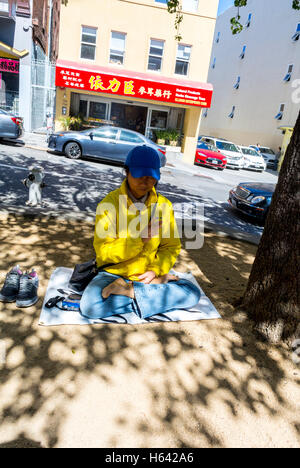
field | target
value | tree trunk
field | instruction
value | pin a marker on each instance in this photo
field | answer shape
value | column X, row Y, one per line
column 272, row 297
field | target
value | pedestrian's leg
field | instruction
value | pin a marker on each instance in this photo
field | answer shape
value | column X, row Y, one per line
column 94, row 306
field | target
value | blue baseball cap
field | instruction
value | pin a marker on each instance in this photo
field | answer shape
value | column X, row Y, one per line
column 143, row 161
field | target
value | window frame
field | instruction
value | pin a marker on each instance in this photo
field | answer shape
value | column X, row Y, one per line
column 190, row 10
column 242, row 56
column 88, row 43
column 231, row 115
column 110, row 48
column 249, row 20
column 183, row 60
column 279, row 114
column 296, row 36
column 289, row 72
column 237, row 84
column 156, row 56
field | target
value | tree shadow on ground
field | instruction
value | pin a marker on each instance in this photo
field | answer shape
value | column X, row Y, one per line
column 78, row 186
column 184, row 384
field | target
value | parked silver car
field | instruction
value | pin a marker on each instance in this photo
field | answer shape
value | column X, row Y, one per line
column 11, row 126
column 105, row 143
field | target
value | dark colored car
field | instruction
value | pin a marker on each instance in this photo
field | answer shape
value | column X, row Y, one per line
column 11, row 126
column 252, row 198
column 105, row 143
column 207, row 155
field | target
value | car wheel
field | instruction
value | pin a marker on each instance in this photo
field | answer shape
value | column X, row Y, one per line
column 73, row 150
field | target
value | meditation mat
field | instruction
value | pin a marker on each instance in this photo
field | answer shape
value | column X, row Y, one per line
column 58, row 286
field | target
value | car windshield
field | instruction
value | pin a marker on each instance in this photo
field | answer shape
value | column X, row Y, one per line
column 250, row 152
column 206, row 146
column 3, row 112
column 223, row 145
column 266, row 150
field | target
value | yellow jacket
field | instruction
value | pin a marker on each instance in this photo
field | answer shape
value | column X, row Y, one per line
column 117, row 235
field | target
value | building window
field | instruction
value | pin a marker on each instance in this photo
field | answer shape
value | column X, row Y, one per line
column 237, row 84
column 213, row 65
column 117, row 47
column 279, row 115
column 218, row 37
column 97, row 111
column 247, row 25
column 297, row 34
column 155, row 55
column 231, row 115
column 190, row 5
column 289, row 73
column 88, row 43
column 243, row 53
column 183, row 59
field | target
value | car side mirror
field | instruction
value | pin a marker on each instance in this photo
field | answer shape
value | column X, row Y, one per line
column 91, row 135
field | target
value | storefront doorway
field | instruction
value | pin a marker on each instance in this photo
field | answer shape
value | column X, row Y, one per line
column 9, row 85
column 145, row 119
column 129, row 116
column 157, row 120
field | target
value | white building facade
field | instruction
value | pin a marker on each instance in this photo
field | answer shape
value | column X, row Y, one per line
column 255, row 74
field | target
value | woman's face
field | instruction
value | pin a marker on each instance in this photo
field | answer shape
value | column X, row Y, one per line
column 141, row 185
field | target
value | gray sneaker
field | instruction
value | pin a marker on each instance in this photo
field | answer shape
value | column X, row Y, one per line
column 27, row 295
column 11, row 285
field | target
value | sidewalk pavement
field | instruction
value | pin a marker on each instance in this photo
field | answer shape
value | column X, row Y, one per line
column 35, row 141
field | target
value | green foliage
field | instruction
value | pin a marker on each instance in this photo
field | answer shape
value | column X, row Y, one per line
column 172, row 135
column 161, row 134
column 174, row 7
column 237, row 27
column 71, row 123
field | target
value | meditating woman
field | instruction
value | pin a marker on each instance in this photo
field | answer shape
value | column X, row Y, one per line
column 136, row 243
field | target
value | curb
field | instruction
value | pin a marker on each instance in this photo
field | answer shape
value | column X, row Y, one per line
column 81, row 216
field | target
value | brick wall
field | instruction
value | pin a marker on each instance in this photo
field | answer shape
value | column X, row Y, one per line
column 40, row 18
column 55, row 30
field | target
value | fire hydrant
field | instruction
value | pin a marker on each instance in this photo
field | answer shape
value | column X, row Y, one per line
column 34, row 182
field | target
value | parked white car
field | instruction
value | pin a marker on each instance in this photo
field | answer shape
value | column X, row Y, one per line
column 252, row 159
column 234, row 157
column 268, row 155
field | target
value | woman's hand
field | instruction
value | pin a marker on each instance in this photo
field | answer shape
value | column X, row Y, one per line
column 147, row 277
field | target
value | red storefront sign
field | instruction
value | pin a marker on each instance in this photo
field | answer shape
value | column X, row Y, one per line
column 8, row 65
column 132, row 85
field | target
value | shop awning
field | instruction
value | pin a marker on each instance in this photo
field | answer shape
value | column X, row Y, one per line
column 9, row 52
column 131, row 84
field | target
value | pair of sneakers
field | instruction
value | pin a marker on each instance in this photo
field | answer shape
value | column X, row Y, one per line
column 20, row 287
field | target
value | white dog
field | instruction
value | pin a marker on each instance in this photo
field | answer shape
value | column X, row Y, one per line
column 34, row 182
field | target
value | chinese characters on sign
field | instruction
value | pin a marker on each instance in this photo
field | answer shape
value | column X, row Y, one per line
column 7, row 65
column 137, row 87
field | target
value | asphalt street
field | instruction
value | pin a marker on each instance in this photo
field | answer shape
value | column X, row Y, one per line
column 78, row 186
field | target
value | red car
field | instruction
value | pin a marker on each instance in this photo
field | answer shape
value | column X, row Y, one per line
column 206, row 155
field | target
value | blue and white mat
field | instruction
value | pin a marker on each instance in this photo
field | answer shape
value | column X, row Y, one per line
column 59, row 280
